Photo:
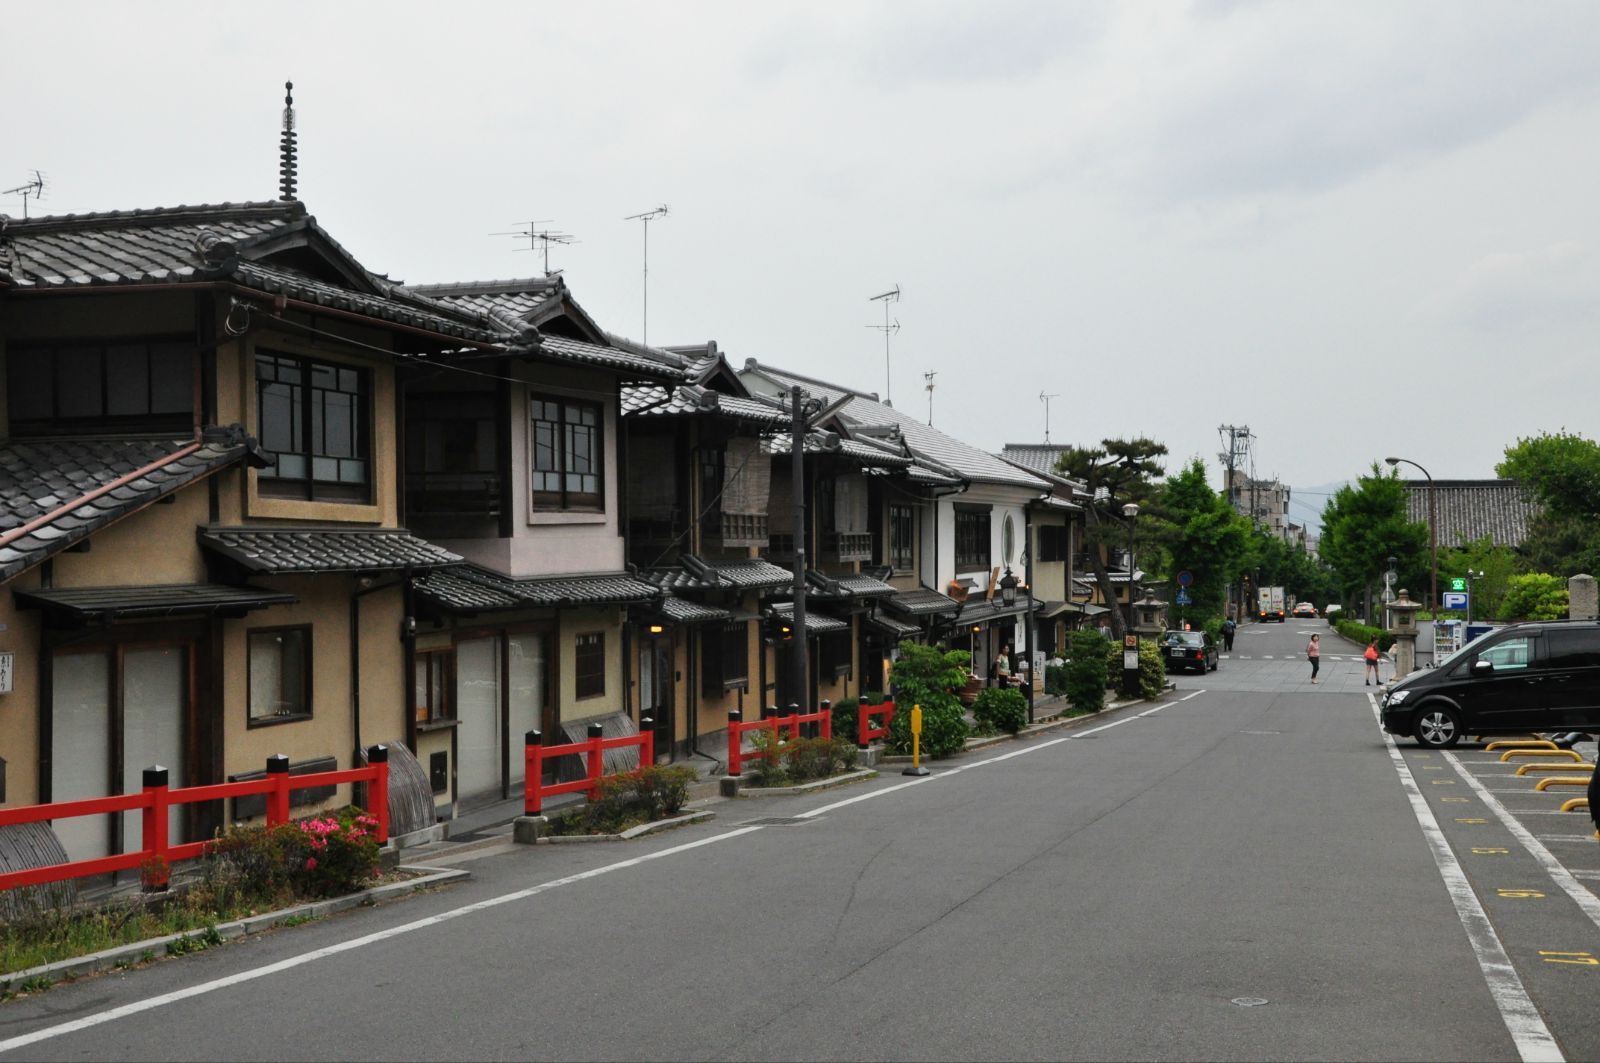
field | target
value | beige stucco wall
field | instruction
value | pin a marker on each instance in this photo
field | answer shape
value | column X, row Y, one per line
column 154, row 546
column 580, row 622
column 19, row 715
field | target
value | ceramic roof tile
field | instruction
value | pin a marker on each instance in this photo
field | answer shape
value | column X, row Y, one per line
column 40, row 479
column 683, row 611
column 1469, row 510
column 289, row 551
column 921, row 602
column 471, row 588
column 861, row 408
column 816, row 623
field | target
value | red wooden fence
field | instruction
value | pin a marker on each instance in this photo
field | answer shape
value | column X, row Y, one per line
column 771, row 721
column 155, row 799
column 535, row 752
column 865, row 732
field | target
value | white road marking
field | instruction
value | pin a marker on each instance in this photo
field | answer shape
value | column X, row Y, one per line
column 151, row 1003
column 1554, row 868
column 1266, row 657
column 1527, row 1029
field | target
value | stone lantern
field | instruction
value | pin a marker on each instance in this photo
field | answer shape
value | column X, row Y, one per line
column 1404, row 629
column 1147, row 611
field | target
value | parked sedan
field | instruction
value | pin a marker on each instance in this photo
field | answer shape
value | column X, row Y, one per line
column 1305, row 610
column 1189, row 651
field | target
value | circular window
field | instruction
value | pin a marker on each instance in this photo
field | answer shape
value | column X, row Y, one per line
column 1008, row 539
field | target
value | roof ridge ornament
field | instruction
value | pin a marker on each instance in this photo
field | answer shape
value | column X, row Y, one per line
column 287, row 164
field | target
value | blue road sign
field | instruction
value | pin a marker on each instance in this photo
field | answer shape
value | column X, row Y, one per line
column 1185, row 578
column 1183, row 596
column 1454, row 600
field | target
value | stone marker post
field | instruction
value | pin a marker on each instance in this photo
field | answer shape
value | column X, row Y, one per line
column 1583, row 597
column 1404, row 611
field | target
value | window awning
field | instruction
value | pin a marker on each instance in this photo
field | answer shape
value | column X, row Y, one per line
column 473, row 588
column 84, row 604
column 921, row 602
column 982, row 612
column 683, row 611
column 895, row 629
column 290, row 551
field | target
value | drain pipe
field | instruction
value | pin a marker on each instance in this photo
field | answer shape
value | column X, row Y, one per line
column 694, row 700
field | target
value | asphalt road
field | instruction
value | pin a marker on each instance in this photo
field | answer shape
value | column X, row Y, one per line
column 1104, row 892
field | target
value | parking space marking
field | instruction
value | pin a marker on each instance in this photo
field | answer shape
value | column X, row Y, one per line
column 1522, row 1019
column 1581, row 959
column 1489, row 850
column 1455, row 800
column 1586, row 901
column 1471, row 819
column 1522, row 894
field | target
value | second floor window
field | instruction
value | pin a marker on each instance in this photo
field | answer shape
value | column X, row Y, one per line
column 1053, row 541
column 314, row 418
column 125, row 385
column 902, row 537
column 589, row 665
column 972, row 538
column 567, row 453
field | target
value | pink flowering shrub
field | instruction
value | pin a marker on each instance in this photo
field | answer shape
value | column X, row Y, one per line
column 319, row 856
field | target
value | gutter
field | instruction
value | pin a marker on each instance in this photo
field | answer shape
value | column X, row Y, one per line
column 66, row 507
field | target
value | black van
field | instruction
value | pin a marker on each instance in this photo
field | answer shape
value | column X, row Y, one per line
column 1527, row 677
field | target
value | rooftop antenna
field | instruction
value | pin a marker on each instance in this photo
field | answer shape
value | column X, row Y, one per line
column 287, row 164
column 34, row 188
column 647, row 217
column 927, row 382
column 1046, row 400
column 891, row 296
column 540, row 239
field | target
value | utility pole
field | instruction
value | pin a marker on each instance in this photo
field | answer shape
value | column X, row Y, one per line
column 1237, row 440
column 797, row 472
column 1046, row 400
column 927, row 382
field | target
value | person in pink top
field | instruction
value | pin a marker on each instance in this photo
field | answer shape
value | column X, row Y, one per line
column 1314, row 655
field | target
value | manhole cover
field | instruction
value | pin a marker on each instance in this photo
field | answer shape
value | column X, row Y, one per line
column 778, row 821
column 1249, row 1002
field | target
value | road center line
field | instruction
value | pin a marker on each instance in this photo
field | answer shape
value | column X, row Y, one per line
column 1554, row 868
column 1522, row 1020
column 151, row 1003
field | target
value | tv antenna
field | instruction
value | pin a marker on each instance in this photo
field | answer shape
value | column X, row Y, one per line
column 1046, row 400
column 34, row 189
column 540, row 239
column 891, row 296
column 927, row 382
column 647, row 217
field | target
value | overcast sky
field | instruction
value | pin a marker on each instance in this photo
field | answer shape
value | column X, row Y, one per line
column 1356, row 228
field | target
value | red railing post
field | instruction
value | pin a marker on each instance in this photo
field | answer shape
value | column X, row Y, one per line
column 827, row 720
column 735, row 740
column 378, row 789
column 863, row 722
column 154, row 819
column 794, row 721
column 278, row 796
column 647, row 742
column 596, row 734
column 532, row 772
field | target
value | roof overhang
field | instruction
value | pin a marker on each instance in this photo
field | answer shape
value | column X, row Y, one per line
column 78, row 606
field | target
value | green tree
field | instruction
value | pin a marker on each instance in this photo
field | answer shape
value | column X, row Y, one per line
column 1126, row 470
column 1204, row 536
column 1535, row 596
column 1364, row 525
column 1562, row 472
column 929, row 676
column 1497, row 563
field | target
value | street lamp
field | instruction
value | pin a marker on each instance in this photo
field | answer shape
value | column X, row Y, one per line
column 1433, row 533
column 1008, row 589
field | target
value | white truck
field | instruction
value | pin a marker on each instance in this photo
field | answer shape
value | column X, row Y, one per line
column 1270, row 604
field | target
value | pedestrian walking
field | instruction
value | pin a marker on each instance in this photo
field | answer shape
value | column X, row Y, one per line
column 1228, row 628
column 1314, row 655
column 1371, row 675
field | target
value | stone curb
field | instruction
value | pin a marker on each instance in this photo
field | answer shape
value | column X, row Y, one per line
column 626, row 836
column 108, row 959
column 736, row 784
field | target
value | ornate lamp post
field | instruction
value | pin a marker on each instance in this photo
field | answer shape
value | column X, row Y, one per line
column 1433, row 532
column 1130, row 510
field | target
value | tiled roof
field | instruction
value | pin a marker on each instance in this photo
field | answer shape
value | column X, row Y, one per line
column 816, row 623
column 568, row 349
column 1469, row 510
column 897, row 629
column 212, row 243
column 1040, row 457
column 866, row 452
column 754, row 574
column 106, row 603
column 41, row 478
column 519, row 298
column 471, row 588
column 825, row 586
column 923, row 440
column 978, row 611
column 921, row 602
column 651, row 400
column 682, row 579
column 310, row 550
column 683, row 611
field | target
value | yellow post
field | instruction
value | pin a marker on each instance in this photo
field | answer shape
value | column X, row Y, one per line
column 916, row 743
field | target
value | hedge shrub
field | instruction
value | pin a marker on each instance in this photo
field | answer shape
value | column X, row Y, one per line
column 1363, row 633
column 1001, row 708
column 1086, row 671
column 1152, row 670
column 930, row 677
column 1055, row 679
